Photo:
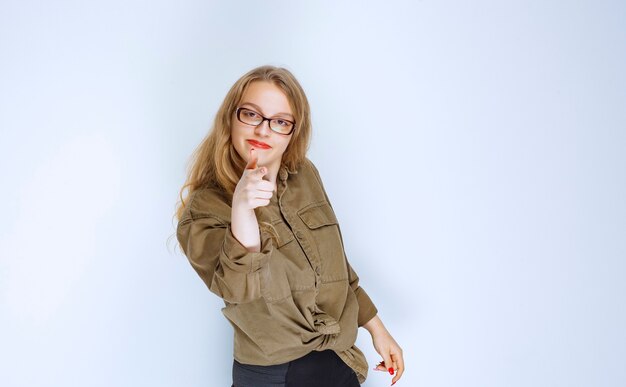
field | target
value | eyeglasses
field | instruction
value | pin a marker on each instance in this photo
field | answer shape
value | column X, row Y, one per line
column 278, row 125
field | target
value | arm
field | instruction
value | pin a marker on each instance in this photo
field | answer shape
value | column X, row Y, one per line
column 251, row 192
column 245, row 228
column 367, row 308
column 228, row 254
column 368, row 318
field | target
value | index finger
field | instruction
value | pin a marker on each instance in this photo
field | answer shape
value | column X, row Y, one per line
column 251, row 164
column 400, row 370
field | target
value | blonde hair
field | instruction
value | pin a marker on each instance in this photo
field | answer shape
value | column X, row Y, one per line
column 216, row 163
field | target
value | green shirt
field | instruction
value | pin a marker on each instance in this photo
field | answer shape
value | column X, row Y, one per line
column 296, row 295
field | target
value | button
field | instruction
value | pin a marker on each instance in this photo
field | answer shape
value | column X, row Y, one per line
column 317, row 270
column 299, row 235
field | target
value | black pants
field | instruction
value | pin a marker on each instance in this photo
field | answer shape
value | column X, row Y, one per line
column 316, row 369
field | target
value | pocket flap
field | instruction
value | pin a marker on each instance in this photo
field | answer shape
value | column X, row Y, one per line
column 283, row 232
column 318, row 215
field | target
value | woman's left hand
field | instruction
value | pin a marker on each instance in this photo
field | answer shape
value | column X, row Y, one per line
column 386, row 346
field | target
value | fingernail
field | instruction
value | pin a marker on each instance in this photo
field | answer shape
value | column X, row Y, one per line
column 391, row 371
column 393, row 383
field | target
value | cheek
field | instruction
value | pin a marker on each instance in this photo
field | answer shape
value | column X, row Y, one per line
column 283, row 146
column 234, row 133
column 236, row 137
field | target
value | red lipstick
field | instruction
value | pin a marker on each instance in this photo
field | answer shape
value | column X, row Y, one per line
column 258, row 144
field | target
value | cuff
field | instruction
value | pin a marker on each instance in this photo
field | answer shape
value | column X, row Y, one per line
column 239, row 259
column 367, row 309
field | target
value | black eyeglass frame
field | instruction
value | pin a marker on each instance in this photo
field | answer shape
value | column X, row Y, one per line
column 269, row 121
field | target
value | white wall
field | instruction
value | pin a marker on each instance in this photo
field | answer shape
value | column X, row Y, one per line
column 474, row 153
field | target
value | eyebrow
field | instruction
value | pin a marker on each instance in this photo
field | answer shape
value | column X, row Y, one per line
column 261, row 110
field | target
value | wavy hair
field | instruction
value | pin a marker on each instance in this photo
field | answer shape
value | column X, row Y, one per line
column 216, row 163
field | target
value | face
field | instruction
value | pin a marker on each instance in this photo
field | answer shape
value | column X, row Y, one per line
column 268, row 100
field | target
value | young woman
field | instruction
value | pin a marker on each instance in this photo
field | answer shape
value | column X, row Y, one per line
column 259, row 229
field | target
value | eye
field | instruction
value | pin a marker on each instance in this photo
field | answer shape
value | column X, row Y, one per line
column 282, row 123
column 250, row 114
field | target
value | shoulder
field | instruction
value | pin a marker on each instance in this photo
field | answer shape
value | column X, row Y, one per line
column 304, row 172
column 205, row 202
column 308, row 163
column 308, row 167
column 310, row 171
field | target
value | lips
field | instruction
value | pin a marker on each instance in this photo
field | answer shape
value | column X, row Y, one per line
column 258, row 144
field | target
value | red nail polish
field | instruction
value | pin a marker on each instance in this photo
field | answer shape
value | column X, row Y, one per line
column 391, row 371
column 393, row 383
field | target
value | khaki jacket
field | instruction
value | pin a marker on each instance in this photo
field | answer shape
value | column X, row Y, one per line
column 299, row 293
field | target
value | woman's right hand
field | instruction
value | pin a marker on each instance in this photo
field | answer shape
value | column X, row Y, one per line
column 252, row 191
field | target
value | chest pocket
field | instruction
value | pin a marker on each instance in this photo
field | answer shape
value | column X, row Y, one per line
column 324, row 229
column 284, row 271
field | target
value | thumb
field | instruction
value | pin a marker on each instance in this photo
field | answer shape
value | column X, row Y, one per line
column 260, row 172
column 252, row 159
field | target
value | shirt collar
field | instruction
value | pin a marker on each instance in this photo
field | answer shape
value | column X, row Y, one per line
column 284, row 172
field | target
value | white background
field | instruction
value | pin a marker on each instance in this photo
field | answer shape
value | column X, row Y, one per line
column 474, row 152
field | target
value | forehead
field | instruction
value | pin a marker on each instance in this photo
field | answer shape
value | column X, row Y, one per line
column 266, row 97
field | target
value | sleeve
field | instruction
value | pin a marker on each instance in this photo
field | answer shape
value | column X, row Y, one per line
column 226, row 266
column 367, row 309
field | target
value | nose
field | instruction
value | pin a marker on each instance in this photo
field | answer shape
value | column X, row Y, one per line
column 263, row 129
